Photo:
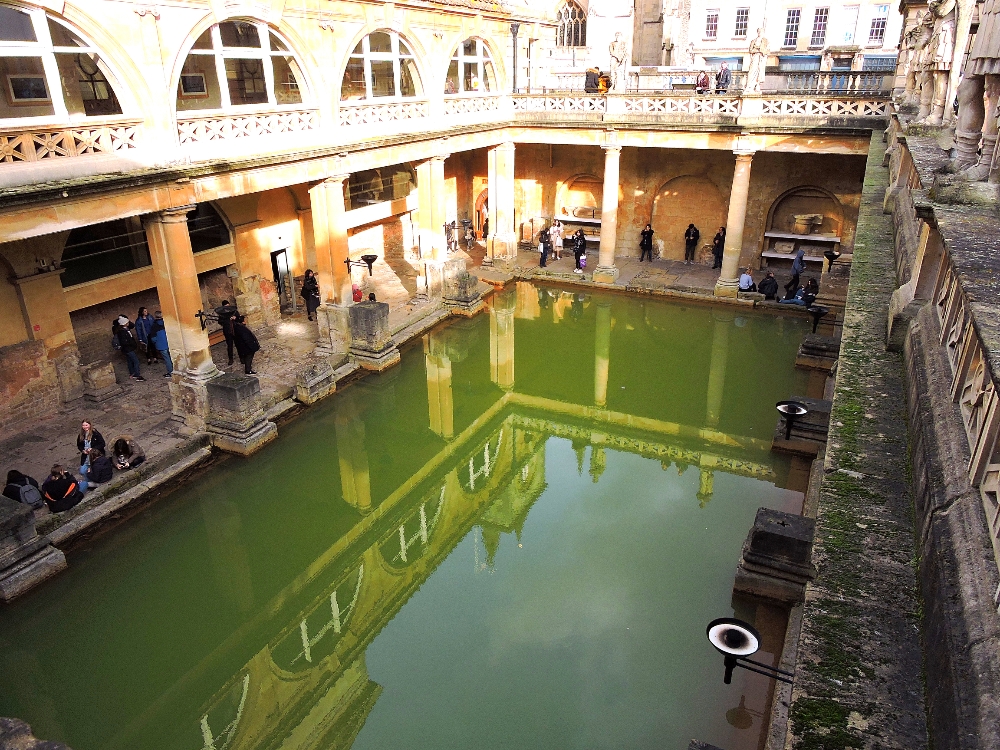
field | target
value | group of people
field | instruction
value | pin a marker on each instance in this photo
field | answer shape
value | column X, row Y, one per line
column 723, row 80
column 596, row 81
column 63, row 489
column 147, row 334
column 236, row 333
column 795, row 293
column 551, row 243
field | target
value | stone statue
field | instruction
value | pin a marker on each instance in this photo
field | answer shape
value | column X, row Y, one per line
column 978, row 120
column 690, row 56
column 759, row 51
column 937, row 59
column 618, row 51
column 908, row 60
column 915, row 77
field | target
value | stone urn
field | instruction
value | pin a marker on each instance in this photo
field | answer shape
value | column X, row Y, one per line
column 807, row 223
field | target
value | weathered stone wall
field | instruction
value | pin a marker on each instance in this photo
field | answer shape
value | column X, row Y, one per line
column 29, row 383
column 92, row 325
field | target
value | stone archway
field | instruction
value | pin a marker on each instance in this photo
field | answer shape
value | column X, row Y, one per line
column 806, row 199
column 685, row 200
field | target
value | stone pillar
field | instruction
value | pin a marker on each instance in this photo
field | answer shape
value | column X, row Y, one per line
column 717, row 370
column 602, row 354
column 440, row 399
column 180, row 299
column 501, row 245
column 502, row 339
column 460, row 289
column 431, row 218
column 236, row 421
column 606, row 271
column 329, row 224
column 308, row 236
column 371, row 340
column 729, row 281
column 355, row 480
column 26, row 559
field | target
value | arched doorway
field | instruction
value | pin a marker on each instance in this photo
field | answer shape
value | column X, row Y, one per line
column 686, row 200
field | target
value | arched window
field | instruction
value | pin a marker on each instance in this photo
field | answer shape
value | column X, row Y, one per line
column 256, row 65
column 471, row 70
column 381, row 66
column 47, row 70
column 572, row 26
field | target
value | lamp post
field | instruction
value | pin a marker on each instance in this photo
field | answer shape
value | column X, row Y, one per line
column 514, row 28
column 792, row 411
column 737, row 641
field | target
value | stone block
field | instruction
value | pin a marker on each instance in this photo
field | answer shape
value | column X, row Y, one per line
column 26, row 559
column 605, row 274
column 236, row 421
column 99, row 382
column 315, row 382
column 461, row 289
column 372, row 345
column 334, row 331
column 777, row 557
column 754, row 296
column 699, row 745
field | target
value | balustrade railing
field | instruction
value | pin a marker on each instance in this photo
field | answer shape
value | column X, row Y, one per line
column 219, row 127
column 827, row 106
column 465, row 105
column 835, row 83
column 38, row 144
column 369, row 113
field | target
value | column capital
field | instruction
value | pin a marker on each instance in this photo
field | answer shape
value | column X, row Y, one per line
column 439, row 157
column 743, row 154
column 609, row 147
column 336, row 179
column 506, row 146
column 174, row 215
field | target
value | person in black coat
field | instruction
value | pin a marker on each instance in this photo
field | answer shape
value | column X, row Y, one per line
column 769, row 286
column 544, row 247
column 310, row 292
column 591, row 84
column 246, row 343
column 691, row 236
column 15, row 481
column 61, row 490
column 101, row 469
column 646, row 244
column 88, row 441
column 719, row 247
column 225, row 313
column 122, row 329
column 579, row 248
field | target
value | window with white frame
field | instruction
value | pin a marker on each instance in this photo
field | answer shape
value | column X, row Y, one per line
column 821, row 19
column 48, row 70
column 239, row 63
column 471, row 69
column 712, row 23
column 849, row 22
column 876, row 35
column 792, row 18
column 571, row 26
column 742, row 23
column 381, row 67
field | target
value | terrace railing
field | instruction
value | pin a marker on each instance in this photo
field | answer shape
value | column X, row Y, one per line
column 108, row 136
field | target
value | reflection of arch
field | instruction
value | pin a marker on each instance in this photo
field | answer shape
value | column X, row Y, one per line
column 806, row 199
column 398, row 548
column 689, row 199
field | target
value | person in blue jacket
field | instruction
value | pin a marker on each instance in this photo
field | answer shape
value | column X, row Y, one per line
column 143, row 323
column 158, row 337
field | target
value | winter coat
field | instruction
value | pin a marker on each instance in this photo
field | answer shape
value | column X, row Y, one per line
column 13, row 489
column 158, row 336
column 719, row 244
column 723, row 79
column 133, row 455
column 142, row 328
column 246, row 342
column 691, row 236
column 768, row 287
column 101, row 470
column 579, row 243
column 310, row 293
column 799, row 264
column 646, row 243
column 96, row 441
column 126, row 340
column 590, row 84
column 61, row 493
column 225, row 314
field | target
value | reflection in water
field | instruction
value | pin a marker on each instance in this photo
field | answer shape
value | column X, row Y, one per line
column 465, row 468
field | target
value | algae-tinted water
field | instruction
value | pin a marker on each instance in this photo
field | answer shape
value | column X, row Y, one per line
column 514, row 539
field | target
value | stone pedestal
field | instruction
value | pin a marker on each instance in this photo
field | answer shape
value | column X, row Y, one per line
column 461, row 289
column 371, row 341
column 315, row 382
column 776, row 562
column 236, row 421
column 26, row 559
column 189, row 401
column 334, row 331
column 99, row 382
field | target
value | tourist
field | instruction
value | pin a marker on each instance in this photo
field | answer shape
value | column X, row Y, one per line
column 158, row 340
column 769, row 286
column 603, row 83
column 23, row 489
column 544, row 247
column 101, row 469
column 798, row 266
column 127, row 453
column 691, row 236
column 449, row 237
column 246, row 343
column 225, row 314
column 143, row 322
column 579, row 250
column 310, row 293
column 125, row 341
column 746, row 281
column 591, row 84
column 646, row 244
column 486, row 227
column 703, row 84
column 718, row 247
column 723, row 79
column 804, row 296
column 61, row 490
column 87, row 441
column 556, row 235
column 371, row 297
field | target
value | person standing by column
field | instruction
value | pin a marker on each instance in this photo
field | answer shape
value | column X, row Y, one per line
column 225, row 313
column 556, row 234
column 646, row 244
column 246, row 343
column 143, row 322
column 798, row 266
column 158, row 340
column 544, row 247
column 579, row 249
column 719, row 247
column 691, row 237
column 310, row 293
column 122, row 331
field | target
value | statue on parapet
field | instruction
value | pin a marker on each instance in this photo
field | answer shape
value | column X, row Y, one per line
column 618, row 51
column 936, row 62
column 913, row 44
column 759, row 50
column 978, row 119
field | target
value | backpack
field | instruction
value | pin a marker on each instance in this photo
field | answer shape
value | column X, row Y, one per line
column 30, row 495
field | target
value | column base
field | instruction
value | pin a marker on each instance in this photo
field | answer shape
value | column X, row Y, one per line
column 236, row 423
column 334, row 330
column 605, row 274
column 727, row 288
column 501, row 249
column 315, row 382
column 189, row 398
column 372, row 345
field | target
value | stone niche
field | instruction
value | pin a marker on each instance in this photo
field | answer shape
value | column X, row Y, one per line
column 236, row 421
column 26, row 559
column 372, row 345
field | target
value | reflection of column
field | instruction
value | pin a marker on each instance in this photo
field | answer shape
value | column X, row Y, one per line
column 502, row 242
column 606, row 271
column 502, row 339
column 329, row 221
column 706, row 485
column 717, row 371
column 728, row 283
column 354, row 479
column 602, row 354
column 440, row 399
column 228, row 554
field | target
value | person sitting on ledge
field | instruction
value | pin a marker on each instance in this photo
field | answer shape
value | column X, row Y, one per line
column 746, row 281
column 22, row 489
column 768, row 286
column 62, row 491
column 804, row 296
column 101, row 469
column 127, row 453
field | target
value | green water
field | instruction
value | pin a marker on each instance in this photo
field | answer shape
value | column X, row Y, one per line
column 514, row 539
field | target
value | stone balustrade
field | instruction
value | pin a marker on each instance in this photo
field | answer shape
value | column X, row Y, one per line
column 224, row 127
column 101, row 137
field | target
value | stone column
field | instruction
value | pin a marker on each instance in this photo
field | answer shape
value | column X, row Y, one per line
column 602, row 354
column 329, row 223
column 501, row 245
column 717, row 370
column 729, row 281
column 606, row 271
column 180, row 299
column 440, row 398
column 502, row 339
column 308, row 236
